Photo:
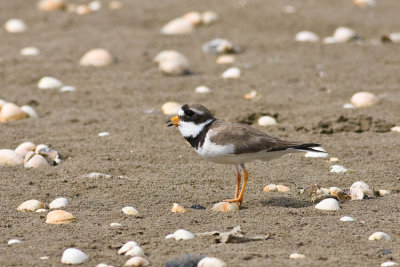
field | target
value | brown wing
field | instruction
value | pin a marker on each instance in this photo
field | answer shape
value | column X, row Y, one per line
column 246, row 139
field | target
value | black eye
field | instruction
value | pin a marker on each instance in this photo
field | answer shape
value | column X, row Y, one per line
column 189, row 113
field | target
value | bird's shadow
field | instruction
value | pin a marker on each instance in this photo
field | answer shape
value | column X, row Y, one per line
column 285, row 202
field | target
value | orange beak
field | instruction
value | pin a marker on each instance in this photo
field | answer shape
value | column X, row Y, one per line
column 173, row 121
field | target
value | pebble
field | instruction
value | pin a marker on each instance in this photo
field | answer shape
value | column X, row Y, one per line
column 15, row 26
column 29, row 51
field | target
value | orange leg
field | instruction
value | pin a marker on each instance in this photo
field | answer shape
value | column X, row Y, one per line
column 238, row 180
column 239, row 199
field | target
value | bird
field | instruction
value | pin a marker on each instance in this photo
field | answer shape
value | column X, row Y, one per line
column 230, row 143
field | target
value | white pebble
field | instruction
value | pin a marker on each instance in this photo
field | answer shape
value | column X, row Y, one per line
column 266, row 121
column 181, row 234
column 13, row 241
column 202, row 89
column 306, row 36
column 15, row 26
column 48, row 82
column 29, row 51
column 338, row 169
column 73, row 256
column 346, row 219
column 231, row 73
column 104, row 134
column 130, row 210
column 67, row 88
column 30, row 111
column 58, row 203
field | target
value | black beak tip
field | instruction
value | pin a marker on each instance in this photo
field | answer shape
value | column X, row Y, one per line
column 169, row 125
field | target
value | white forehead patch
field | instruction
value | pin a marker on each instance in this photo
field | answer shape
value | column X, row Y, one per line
column 181, row 113
column 188, row 128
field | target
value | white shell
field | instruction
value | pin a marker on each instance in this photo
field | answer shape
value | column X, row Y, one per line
column 137, row 261
column 135, row 251
column 181, row 234
column 346, row 219
column 50, row 5
column 202, row 89
column 209, row 17
column 130, row 211
column 193, row 17
column 344, row 34
column 115, row 224
column 173, row 63
column 364, row 99
column 67, row 88
column 103, row 265
column 270, row 188
column 395, row 129
column 311, row 154
column 211, row 262
column 41, row 210
column 225, row 207
column 11, row 112
column 379, row 236
column 170, row 108
column 337, row 169
column 103, row 134
column 348, row 106
column 30, row 111
column 306, row 36
column 97, row 57
column 282, row 188
column 29, row 51
column 267, row 121
column 359, row 189
column 127, row 246
column 59, row 217
column 383, row 192
column 95, row 5
column 395, row 37
column 13, row 241
column 10, row 157
column 389, row 263
column 328, row 204
column 225, row 59
column 73, row 256
column 329, row 40
column 48, row 82
column 37, row 161
column 114, row 5
column 30, row 205
column 96, row 175
column 60, row 202
column 15, row 26
column 177, row 26
column 297, row 256
column 231, row 73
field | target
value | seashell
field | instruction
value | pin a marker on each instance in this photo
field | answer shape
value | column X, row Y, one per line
column 270, row 188
column 103, row 134
column 15, row 26
column 311, row 154
column 42, row 148
column 346, row 219
column 11, row 112
column 202, row 89
column 251, row 95
column 193, row 17
column 103, row 265
column 220, row 46
column 127, row 246
column 67, row 88
column 29, row 51
column 364, row 99
column 225, row 207
column 2, row 103
column 51, row 5
column 178, row 208
column 329, row 40
column 382, row 192
column 338, row 169
column 10, row 157
column 73, row 256
column 28, row 156
column 177, row 26
column 348, row 106
column 114, row 5
column 328, row 204
column 379, row 236
column 297, row 256
column 225, row 59
column 282, row 188
column 97, row 57
column 37, row 161
column 30, row 111
column 31, row 205
column 394, row 37
column 333, row 159
column 171, row 62
column 364, row 3
column 334, row 190
column 181, row 234
column 137, row 261
column 211, row 262
column 359, row 189
column 59, row 217
column 266, row 121
column 44, row 258
column 115, row 224
column 395, row 129
column 41, row 210
column 96, row 175
column 170, row 108
column 209, row 17
column 130, row 211
column 306, row 36
column 58, row 203
column 389, row 263
column 82, row 10
column 231, row 73
column 344, row 34
column 95, row 6
column 48, row 82
column 13, row 241
column 135, row 251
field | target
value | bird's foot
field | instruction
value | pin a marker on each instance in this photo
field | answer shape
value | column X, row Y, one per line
column 237, row 200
